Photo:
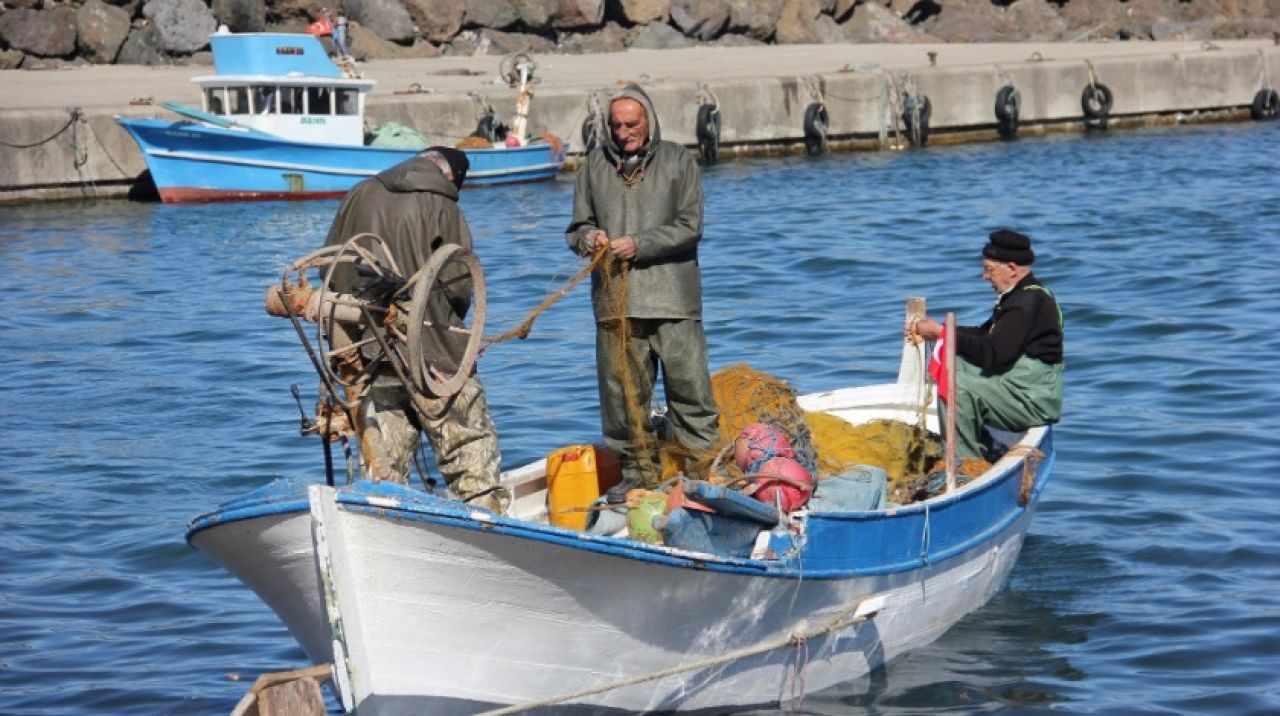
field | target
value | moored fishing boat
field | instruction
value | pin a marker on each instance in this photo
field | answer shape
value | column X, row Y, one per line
column 425, row 604
column 281, row 120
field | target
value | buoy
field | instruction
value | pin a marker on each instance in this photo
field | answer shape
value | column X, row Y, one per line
column 916, row 110
column 815, row 128
column 784, row 482
column 759, row 442
column 1095, row 102
column 708, row 132
column 1008, row 105
column 1266, row 104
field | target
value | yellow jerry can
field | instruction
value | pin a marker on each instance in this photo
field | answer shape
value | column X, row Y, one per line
column 576, row 476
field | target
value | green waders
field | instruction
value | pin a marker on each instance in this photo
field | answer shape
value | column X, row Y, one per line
column 681, row 347
column 1026, row 395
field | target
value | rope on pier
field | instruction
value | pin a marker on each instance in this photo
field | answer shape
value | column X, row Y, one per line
column 799, row 637
column 76, row 115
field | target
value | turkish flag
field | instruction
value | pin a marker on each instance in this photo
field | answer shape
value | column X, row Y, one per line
column 938, row 368
column 320, row 27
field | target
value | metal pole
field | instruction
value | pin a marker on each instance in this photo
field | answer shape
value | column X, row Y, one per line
column 950, row 331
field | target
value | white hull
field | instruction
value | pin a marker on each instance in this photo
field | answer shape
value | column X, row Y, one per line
column 444, row 619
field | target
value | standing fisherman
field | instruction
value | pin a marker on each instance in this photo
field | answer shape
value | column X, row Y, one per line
column 640, row 199
column 413, row 207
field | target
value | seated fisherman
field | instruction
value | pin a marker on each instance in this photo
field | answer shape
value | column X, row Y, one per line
column 1009, row 372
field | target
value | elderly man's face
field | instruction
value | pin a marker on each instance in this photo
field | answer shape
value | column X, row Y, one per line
column 1002, row 275
column 629, row 125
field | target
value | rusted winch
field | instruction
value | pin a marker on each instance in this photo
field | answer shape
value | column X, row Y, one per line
column 390, row 322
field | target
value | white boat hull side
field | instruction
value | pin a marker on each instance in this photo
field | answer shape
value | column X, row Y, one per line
column 439, row 618
column 273, row 556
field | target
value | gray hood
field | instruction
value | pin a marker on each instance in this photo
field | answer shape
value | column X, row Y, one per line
column 635, row 92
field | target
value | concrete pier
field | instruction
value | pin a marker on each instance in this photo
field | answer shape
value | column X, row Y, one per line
column 58, row 139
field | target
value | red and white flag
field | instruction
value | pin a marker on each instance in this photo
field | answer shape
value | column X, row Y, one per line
column 938, row 368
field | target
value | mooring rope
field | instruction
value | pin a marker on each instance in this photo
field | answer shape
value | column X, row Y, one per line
column 798, row 637
column 76, row 114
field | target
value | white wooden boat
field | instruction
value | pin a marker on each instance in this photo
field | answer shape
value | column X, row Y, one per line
column 426, row 605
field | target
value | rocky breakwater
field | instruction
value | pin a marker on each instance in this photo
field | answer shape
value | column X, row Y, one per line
column 44, row 34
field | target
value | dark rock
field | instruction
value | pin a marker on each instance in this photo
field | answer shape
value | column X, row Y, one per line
column 700, row 19
column 143, row 46
column 1140, row 15
column 495, row 14
column 659, row 36
column 642, row 12
column 1033, row 21
column 100, row 31
column 284, row 10
column 842, row 9
column 184, row 25
column 1092, row 19
column 966, row 21
column 798, row 23
column 610, row 38
column 497, row 42
column 437, row 20
column 464, row 45
column 578, row 14
column 203, row 58
column 1197, row 30
column 366, row 44
column 757, row 18
column 387, row 19
column 873, row 22
column 43, row 33
column 11, row 59
column 25, row 4
column 241, row 15
column 735, row 40
column 536, row 13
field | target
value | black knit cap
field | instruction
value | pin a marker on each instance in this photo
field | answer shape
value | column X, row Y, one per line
column 1009, row 245
column 457, row 161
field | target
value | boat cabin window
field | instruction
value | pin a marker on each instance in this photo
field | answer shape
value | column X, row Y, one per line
column 319, row 100
column 239, row 98
column 264, row 99
column 347, row 102
column 215, row 100
column 292, row 100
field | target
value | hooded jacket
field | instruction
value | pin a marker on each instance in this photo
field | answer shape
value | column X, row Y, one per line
column 663, row 211
column 414, row 209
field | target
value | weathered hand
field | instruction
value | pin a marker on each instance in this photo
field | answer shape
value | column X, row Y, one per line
column 624, row 247
column 928, row 329
column 597, row 239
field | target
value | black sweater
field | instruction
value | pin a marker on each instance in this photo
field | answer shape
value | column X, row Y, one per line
column 1026, row 320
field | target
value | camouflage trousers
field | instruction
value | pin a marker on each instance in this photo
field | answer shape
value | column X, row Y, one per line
column 459, row 429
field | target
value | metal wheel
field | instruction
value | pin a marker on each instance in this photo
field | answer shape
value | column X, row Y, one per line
column 429, row 287
column 365, row 255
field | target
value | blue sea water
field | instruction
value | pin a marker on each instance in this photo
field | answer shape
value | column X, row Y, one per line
column 143, row 384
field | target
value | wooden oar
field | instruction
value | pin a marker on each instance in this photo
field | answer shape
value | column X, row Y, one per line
column 949, row 329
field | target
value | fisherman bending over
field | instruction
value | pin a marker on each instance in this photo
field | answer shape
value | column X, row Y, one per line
column 640, row 199
column 413, row 207
column 1009, row 372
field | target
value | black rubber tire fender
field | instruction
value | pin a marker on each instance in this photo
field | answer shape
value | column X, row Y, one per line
column 708, row 132
column 815, row 128
column 1096, row 101
column 919, row 135
column 1008, row 108
column 1266, row 104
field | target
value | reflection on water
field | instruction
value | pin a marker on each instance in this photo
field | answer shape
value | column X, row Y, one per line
column 145, row 384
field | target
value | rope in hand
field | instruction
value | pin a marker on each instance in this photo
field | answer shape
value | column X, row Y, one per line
column 522, row 329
